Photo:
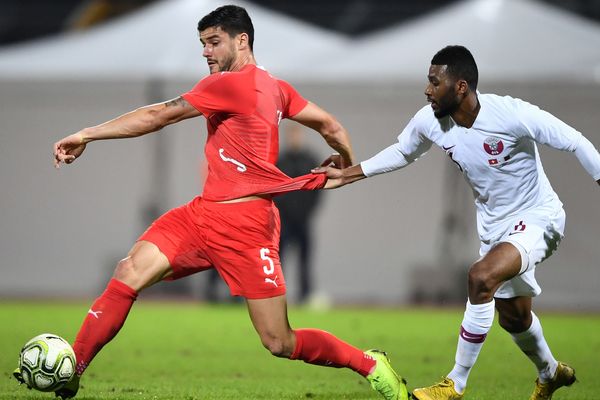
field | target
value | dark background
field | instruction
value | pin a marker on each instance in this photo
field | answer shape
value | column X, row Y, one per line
column 22, row 20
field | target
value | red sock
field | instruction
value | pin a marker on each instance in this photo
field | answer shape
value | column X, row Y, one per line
column 318, row 347
column 104, row 320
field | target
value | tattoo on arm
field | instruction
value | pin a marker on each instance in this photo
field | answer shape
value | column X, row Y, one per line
column 175, row 110
column 178, row 102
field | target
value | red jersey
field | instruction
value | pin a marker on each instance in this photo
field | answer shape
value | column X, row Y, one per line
column 243, row 110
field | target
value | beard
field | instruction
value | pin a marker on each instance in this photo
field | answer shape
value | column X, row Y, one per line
column 447, row 105
column 227, row 63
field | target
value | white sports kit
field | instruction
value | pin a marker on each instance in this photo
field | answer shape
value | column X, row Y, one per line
column 499, row 159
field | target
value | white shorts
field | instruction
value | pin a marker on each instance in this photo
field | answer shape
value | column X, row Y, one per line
column 536, row 234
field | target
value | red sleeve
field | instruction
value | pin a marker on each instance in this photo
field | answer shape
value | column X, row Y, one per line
column 294, row 102
column 215, row 93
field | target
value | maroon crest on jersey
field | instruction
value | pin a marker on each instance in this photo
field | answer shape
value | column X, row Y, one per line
column 493, row 146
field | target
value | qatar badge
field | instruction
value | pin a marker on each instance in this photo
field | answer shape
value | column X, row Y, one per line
column 493, row 146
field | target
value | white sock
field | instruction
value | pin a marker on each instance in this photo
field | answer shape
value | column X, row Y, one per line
column 533, row 344
column 476, row 324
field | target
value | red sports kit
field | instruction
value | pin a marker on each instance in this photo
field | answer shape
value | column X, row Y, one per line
column 241, row 240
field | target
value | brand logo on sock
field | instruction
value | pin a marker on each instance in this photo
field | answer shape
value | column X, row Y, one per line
column 95, row 313
column 273, row 281
column 472, row 337
column 81, row 366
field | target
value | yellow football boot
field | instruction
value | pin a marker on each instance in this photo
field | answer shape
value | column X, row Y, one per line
column 564, row 376
column 443, row 390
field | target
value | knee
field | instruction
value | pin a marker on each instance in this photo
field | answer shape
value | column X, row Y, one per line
column 277, row 345
column 125, row 270
column 481, row 282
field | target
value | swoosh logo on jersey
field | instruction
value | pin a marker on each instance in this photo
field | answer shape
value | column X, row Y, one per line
column 240, row 167
column 451, row 155
column 447, row 150
column 513, row 233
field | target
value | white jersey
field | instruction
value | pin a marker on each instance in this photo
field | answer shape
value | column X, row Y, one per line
column 497, row 156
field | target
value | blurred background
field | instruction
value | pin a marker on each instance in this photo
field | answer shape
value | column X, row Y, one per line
column 399, row 239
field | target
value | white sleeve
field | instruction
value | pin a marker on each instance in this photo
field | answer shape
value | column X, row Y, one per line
column 412, row 143
column 387, row 160
column 545, row 128
column 589, row 157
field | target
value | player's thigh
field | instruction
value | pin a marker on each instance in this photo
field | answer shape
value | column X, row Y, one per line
column 501, row 263
column 159, row 248
column 180, row 235
column 536, row 235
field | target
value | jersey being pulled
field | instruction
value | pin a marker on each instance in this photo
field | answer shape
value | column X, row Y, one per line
column 497, row 156
column 243, row 110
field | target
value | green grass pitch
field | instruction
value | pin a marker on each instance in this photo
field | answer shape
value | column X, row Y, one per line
column 190, row 351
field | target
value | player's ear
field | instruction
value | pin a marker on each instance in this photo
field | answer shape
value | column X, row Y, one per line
column 242, row 41
column 462, row 86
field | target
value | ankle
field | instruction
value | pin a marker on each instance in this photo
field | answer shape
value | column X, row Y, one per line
column 459, row 376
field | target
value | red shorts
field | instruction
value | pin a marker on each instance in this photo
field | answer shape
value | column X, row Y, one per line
column 239, row 240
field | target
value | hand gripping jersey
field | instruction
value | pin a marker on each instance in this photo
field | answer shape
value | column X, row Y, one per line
column 243, row 110
column 497, row 156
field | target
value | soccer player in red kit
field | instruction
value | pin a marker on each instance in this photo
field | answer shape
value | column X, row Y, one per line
column 234, row 226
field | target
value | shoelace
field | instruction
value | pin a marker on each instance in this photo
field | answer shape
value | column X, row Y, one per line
column 440, row 387
column 444, row 383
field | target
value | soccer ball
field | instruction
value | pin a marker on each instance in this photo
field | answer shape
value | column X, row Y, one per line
column 47, row 362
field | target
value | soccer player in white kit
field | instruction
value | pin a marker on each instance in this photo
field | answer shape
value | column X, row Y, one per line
column 520, row 219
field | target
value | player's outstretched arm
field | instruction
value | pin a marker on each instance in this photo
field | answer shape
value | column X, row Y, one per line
column 330, row 129
column 338, row 177
column 136, row 123
column 589, row 158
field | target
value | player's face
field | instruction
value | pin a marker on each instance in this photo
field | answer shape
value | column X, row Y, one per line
column 441, row 91
column 219, row 49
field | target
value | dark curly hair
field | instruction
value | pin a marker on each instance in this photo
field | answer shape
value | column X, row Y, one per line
column 231, row 19
column 460, row 62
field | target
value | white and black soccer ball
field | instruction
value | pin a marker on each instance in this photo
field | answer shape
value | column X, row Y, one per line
column 47, row 362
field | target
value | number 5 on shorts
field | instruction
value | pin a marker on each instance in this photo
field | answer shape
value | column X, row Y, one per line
column 268, row 270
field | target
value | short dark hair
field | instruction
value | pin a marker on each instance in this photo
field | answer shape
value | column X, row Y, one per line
column 460, row 62
column 231, row 19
